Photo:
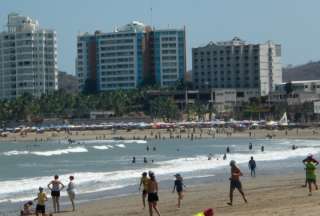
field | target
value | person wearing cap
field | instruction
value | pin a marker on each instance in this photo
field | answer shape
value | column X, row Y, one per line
column 153, row 194
column 178, row 186
column 307, row 159
column 144, row 182
column 41, row 202
column 235, row 182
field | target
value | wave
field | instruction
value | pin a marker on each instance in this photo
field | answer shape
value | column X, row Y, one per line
column 47, row 153
column 111, row 141
column 121, row 145
column 102, row 147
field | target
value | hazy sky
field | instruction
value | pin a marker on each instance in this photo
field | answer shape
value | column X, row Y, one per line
column 293, row 23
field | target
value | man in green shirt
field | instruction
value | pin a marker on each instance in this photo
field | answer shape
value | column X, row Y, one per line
column 311, row 175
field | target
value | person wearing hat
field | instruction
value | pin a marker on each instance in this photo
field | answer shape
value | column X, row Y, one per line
column 178, row 186
column 41, row 202
column 235, row 182
column 306, row 160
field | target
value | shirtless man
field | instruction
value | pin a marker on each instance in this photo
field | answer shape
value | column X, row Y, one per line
column 54, row 187
column 235, row 182
column 153, row 194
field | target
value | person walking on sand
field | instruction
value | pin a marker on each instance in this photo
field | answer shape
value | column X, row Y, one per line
column 178, row 186
column 153, row 194
column 252, row 166
column 41, row 202
column 54, row 187
column 71, row 192
column 312, row 159
column 144, row 182
column 235, row 182
column 311, row 175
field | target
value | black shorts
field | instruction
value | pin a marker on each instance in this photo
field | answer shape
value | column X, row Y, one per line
column 41, row 209
column 235, row 184
column 153, row 197
column 144, row 192
column 55, row 193
column 311, row 180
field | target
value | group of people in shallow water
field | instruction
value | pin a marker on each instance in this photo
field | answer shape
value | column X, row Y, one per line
column 55, row 186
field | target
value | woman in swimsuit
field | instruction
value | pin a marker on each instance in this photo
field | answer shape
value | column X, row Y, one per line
column 55, row 188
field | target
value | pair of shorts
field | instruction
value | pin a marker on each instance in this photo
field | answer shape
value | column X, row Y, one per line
column 144, row 192
column 153, row 197
column 41, row 209
column 235, row 184
column 55, row 193
column 311, row 180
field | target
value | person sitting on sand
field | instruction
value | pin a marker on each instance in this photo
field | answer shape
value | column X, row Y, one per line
column 313, row 160
column 71, row 192
column 235, row 182
column 311, row 175
column 144, row 182
column 27, row 209
column 55, row 189
column 178, row 186
column 41, row 202
column 153, row 194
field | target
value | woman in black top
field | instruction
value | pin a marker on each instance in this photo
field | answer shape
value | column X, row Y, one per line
column 178, row 186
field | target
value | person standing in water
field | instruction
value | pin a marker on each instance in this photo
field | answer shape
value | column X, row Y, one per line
column 134, row 160
column 153, row 194
column 250, row 146
column 262, row 148
column 252, row 166
column 311, row 175
column 228, row 149
column 71, row 192
column 178, row 186
column 144, row 182
column 235, row 182
column 54, row 187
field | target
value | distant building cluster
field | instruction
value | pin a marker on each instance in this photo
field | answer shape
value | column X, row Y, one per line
column 135, row 55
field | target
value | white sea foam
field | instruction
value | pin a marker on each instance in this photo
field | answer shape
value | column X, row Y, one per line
column 121, row 145
column 102, row 147
column 48, row 153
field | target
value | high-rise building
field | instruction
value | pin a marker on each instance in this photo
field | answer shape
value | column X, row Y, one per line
column 236, row 64
column 130, row 56
column 28, row 58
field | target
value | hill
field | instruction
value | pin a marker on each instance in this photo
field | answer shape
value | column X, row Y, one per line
column 68, row 82
column 309, row 71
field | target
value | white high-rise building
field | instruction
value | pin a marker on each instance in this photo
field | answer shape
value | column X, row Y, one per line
column 28, row 58
column 236, row 64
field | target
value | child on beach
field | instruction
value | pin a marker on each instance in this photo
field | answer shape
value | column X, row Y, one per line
column 71, row 192
column 41, row 202
column 153, row 194
column 252, row 166
column 144, row 182
column 27, row 209
column 178, row 186
column 311, row 175
column 55, row 189
column 313, row 160
column 235, row 182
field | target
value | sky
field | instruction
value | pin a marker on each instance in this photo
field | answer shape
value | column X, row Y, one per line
column 292, row 23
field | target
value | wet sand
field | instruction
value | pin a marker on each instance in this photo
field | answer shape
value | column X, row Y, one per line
column 267, row 195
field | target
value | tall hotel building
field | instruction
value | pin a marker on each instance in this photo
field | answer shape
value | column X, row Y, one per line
column 28, row 58
column 129, row 57
column 237, row 65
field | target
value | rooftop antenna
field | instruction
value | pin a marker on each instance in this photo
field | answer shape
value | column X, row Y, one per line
column 151, row 11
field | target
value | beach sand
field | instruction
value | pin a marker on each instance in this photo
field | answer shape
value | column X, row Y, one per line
column 267, row 195
column 310, row 133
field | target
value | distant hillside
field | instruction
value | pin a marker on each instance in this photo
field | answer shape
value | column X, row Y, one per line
column 68, row 82
column 309, row 71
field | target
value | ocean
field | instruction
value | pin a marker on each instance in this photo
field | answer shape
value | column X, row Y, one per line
column 104, row 168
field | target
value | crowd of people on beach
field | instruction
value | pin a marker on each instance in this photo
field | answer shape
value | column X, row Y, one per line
column 55, row 187
column 149, row 186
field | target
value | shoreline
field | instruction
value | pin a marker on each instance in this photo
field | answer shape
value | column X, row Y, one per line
column 267, row 195
column 160, row 134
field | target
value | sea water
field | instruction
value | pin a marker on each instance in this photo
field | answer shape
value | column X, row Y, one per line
column 104, row 168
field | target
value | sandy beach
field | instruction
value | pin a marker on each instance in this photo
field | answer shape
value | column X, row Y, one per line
column 267, row 195
column 309, row 133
